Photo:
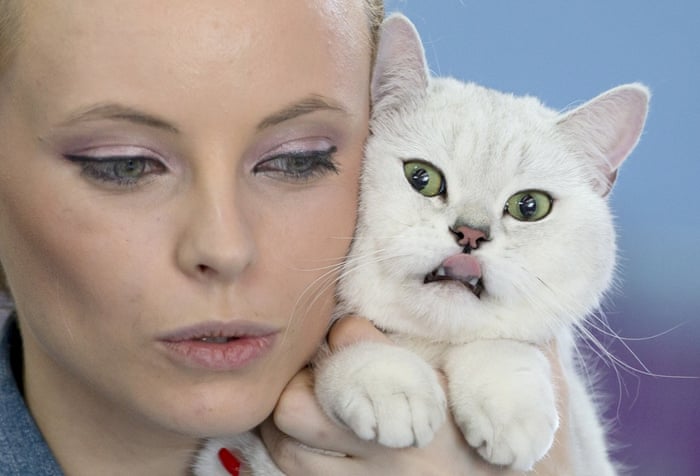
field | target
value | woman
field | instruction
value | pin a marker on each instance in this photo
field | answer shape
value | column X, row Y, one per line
column 177, row 184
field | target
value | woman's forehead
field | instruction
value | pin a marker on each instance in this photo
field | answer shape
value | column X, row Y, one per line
column 143, row 49
column 219, row 27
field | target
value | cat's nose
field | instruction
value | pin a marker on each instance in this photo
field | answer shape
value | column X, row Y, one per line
column 469, row 237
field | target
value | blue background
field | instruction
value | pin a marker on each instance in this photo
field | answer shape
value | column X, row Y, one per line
column 566, row 53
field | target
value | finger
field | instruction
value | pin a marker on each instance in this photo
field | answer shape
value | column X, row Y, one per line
column 294, row 457
column 559, row 455
column 352, row 329
column 299, row 416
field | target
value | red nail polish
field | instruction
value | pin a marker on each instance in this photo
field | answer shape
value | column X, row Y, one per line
column 229, row 461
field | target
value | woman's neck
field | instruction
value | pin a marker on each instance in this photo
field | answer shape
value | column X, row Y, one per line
column 89, row 436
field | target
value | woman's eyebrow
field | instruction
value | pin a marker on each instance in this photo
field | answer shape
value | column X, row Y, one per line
column 119, row 112
column 115, row 111
column 305, row 106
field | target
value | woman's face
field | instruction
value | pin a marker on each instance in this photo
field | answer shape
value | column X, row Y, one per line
column 174, row 175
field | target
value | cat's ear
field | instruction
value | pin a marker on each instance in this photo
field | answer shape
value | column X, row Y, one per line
column 608, row 127
column 400, row 70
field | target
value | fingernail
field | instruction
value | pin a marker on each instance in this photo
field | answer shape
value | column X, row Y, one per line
column 229, row 461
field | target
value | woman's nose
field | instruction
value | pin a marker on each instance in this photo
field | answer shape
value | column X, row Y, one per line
column 216, row 243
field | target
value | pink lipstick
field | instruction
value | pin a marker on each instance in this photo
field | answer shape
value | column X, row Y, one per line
column 220, row 346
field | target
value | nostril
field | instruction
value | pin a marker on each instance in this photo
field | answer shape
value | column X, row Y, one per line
column 468, row 237
column 204, row 269
column 458, row 234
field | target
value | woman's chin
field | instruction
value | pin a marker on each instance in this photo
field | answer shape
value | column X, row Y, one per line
column 217, row 410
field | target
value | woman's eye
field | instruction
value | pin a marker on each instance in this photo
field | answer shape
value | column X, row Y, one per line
column 120, row 171
column 529, row 205
column 299, row 166
column 425, row 178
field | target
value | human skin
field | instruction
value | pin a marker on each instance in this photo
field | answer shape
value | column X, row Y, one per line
column 205, row 229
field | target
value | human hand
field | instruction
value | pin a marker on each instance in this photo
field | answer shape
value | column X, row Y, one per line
column 304, row 441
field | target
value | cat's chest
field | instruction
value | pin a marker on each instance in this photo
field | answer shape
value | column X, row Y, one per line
column 433, row 352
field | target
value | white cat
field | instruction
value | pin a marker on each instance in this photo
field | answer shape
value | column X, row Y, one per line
column 483, row 234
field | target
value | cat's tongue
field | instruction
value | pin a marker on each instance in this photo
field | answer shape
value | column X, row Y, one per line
column 462, row 267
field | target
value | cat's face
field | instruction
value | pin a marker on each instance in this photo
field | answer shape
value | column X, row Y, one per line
column 467, row 159
column 482, row 214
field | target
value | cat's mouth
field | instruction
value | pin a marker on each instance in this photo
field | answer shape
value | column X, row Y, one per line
column 462, row 268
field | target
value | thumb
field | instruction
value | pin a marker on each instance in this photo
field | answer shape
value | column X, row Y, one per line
column 352, row 329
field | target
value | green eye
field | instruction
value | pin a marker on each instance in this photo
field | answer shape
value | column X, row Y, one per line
column 529, row 205
column 425, row 178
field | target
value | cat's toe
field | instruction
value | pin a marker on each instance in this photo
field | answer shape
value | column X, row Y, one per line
column 408, row 420
column 517, row 444
column 358, row 414
column 383, row 393
column 507, row 408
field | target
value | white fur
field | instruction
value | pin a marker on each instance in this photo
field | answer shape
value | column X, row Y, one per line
column 352, row 388
column 541, row 278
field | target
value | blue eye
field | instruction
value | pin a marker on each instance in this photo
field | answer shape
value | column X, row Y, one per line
column 299, row 166
column 118, row 171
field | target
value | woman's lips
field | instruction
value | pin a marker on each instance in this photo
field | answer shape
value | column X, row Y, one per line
column 220, row 345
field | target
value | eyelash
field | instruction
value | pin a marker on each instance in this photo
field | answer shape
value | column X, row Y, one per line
column 316, row 163
column 105, row 169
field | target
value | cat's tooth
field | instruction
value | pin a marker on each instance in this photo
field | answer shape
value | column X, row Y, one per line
column 440, row 271
column 473, row 282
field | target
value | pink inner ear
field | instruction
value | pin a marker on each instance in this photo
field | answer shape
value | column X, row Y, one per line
column 633, row 104
column 400, row 68
column 609, row 127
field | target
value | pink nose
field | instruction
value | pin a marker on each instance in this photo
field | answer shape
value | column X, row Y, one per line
column 469, row 237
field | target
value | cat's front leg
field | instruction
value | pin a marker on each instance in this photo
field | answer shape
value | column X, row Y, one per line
column 503, row 399
column 383, row 392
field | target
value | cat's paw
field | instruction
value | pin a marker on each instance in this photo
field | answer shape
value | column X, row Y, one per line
column 383, row 393
column 505, row 405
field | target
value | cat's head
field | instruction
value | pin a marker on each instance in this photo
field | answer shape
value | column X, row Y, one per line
column 482, row 213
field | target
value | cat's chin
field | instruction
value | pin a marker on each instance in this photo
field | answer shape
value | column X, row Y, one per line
column 474, row 285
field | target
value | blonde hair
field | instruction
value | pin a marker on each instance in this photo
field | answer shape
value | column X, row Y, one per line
column 375, row 14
